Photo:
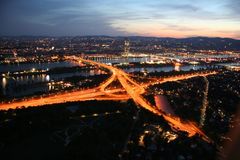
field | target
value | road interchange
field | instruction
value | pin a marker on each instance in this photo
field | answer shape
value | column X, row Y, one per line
column 130, row 90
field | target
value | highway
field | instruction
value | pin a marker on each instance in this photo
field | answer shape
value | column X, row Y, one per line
column 204, row 103
column 135, row 90
column 90, row 94
column 130, row 89
column 178, row 78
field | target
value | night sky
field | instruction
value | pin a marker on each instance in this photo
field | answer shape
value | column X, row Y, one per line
column 161, row 18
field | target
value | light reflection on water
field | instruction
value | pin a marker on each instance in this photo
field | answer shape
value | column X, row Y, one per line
column 37, row 66
column 166, row 68
column 4, row 83
column 47, row 78
column 7, row 83
column 177, row 68
column 37, row 83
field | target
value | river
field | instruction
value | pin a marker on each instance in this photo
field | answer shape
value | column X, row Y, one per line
column 42, row 79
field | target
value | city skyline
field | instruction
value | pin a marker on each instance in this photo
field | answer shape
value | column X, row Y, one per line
column 123, row 18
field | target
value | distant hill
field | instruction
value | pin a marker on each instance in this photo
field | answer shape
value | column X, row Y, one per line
column 212, row 43
column 206, row 43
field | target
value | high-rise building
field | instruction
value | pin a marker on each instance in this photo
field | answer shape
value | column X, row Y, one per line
column 126, row 48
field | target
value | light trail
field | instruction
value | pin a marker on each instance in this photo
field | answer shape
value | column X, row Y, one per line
column 133, row 89
column 91, row 94
column 135, row 94
column 205, row 103
column 178, row 78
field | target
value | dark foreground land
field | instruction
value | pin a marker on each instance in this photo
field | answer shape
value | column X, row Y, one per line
column 108, row 130
column 88, row 130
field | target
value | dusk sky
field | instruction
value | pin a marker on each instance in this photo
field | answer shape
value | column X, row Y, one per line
column 161, row 18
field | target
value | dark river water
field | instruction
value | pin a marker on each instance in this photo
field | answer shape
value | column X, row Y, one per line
column 29, row 66
column 42, row 79
column 30, row 84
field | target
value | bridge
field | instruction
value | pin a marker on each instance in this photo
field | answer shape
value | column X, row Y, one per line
column 130, row 90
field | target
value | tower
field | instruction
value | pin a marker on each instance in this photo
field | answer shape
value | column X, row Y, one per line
column 15, row 53
column 126, row 48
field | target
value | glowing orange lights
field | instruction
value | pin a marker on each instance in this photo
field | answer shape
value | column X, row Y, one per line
column 133, row 89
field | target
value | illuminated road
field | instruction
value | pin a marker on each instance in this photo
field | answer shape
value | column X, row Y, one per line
column 205, row 103
column 135, row 90
column 131, row 88
column 177, row 78
column 91, row 94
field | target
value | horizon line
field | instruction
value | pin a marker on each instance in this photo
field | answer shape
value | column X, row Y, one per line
column 118, row 36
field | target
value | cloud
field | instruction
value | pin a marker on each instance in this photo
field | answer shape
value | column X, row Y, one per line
column 122, row 17
column 233, row 6
column 52, row 17
column 178, row 27
column 176, row 7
